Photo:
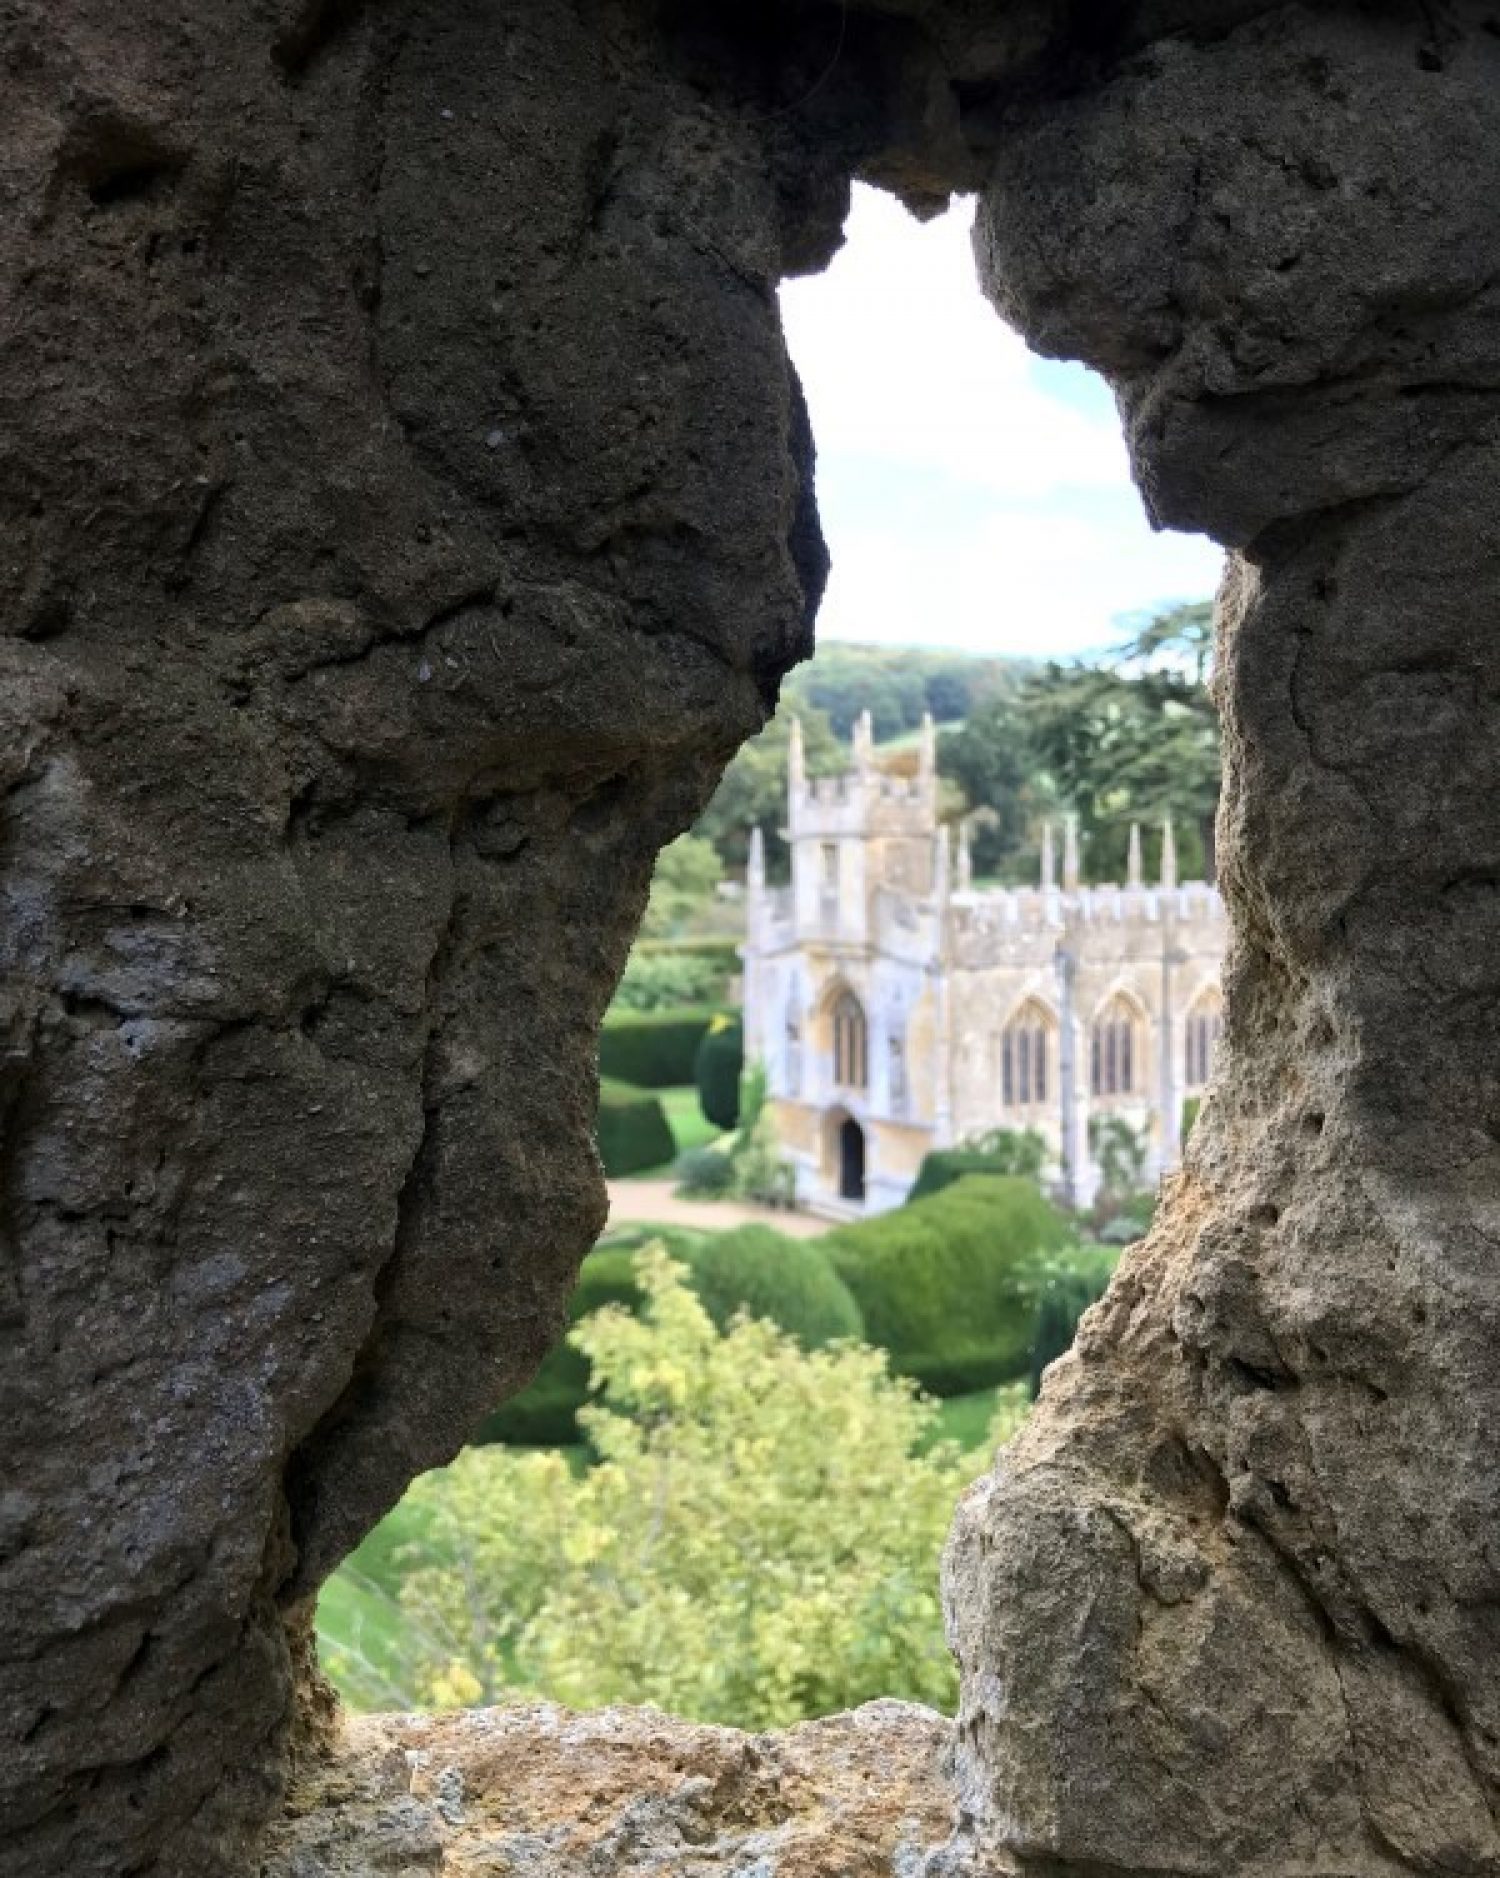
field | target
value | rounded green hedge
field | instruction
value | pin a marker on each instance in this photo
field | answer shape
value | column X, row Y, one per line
column 653, row 1049
column 633, row 1130
column 1006, row 1152
column 717, row 1069
column 752, row 1268
column 790, row 1281
column 545, row 1413
column 950, row 1285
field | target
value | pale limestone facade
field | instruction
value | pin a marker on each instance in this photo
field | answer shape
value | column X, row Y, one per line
column 898, row 1009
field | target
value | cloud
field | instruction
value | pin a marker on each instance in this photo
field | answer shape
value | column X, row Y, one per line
column 972, row 494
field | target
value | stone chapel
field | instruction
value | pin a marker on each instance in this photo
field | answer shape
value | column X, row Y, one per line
column 897, row 1008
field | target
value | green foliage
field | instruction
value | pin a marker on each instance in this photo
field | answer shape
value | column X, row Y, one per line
column 752, row 791
column 1071, row 1287
column 653, row 1049
column 1132, row 737
column 545, row 1413
column 1190, row 1107
column 1135, row 739
column 895, row 684
column 687, row 872
column 633, row 1129
column 655, row 981
column 790, row 1282
column 758, row 1542
column 1005, row 1151
column 704, row 1173
column 949, row 1285
column 717, row 1067
column 989, row 756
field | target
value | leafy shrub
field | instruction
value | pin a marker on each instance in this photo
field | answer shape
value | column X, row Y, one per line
column 799, row 1581
column 791, row 1282
column 949, row 1285
column 653, row 1049
column 1006, row 1151
column 761, row 1171
column 717, row 1068
column 658, row 981
column 704, row 1173
column 1077, row 1281
column 633, row 1130
column 1119, row 1151
column 1190, row 1108
column 545, row 1413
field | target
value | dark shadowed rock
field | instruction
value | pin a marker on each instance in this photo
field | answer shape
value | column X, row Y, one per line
column 406, row 511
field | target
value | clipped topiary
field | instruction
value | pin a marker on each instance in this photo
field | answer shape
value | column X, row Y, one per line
column 653, row 1049
column 950, row 1285
column 717, row 1069
column 633, row 1130
column 1006, row 1151
column 790, row 1281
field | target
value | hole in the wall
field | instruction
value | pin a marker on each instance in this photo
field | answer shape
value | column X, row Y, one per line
column 950, row 526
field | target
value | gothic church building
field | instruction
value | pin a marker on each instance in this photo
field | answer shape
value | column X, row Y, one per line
column 897, row 1008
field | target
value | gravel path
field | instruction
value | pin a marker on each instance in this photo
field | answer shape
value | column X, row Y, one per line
column 654, row 1201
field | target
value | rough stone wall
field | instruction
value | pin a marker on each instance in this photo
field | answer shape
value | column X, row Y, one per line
column 1229, row 1605
column 536, row 1792
column 405, row 513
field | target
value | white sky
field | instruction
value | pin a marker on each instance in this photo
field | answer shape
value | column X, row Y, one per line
column 972, row 494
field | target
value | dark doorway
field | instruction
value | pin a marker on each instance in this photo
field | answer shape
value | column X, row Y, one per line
column 851, row 1161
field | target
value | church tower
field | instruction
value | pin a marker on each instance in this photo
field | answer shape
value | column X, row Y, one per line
column 854, row 833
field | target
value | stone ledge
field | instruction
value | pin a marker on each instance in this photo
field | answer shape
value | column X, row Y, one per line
column 536, row 1791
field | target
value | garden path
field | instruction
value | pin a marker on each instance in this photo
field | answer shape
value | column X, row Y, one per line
column 633, row 1202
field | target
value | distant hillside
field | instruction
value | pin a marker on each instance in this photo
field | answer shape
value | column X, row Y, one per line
column 896, row 684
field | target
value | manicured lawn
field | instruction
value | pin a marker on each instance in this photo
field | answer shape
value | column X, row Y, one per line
column 361, row 1627
column 691, row 1128
column 966, row 1418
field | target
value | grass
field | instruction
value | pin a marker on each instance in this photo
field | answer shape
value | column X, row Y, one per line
column 361, row 1628
column 966, row 1419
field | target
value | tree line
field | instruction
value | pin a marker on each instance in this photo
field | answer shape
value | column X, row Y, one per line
column 1129, row 737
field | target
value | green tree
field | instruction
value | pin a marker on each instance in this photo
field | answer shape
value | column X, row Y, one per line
column 1133, row 739
column 688, row 870
column 991, row 760
column 758, row 1542
column 752, row 792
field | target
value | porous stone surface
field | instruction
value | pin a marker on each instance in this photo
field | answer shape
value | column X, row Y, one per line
column 538, row 1792
column 406, row 511
column 1228, row 1606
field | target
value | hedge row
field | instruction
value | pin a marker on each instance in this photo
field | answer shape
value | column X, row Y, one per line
column 653, row 1049
column 1004, row 1151
column 950, row 1285
column 633, row 1130
column 754, row 1269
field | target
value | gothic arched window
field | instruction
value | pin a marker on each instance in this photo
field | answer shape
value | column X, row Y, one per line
column 1026, row 1059
column 1115, row 1050
column 1205, row 1025
column 851, row 1057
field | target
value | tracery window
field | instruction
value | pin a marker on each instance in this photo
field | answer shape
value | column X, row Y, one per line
column 1205, row 1025
column 1025, row 1059
column 1114, row 1050
column 851, row 1057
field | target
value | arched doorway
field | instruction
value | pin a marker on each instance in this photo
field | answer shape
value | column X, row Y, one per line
column 851, row 1160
